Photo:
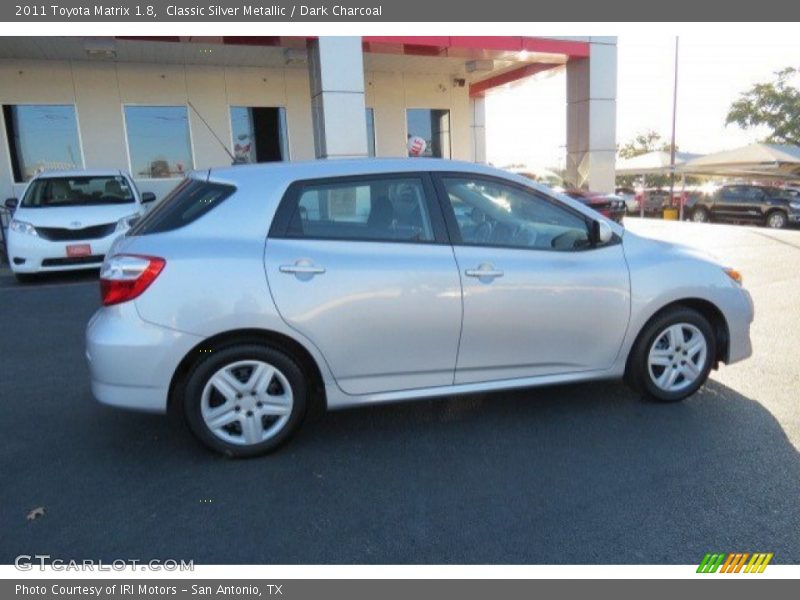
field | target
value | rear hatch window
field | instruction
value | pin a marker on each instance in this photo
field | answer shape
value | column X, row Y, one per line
column 189, row 201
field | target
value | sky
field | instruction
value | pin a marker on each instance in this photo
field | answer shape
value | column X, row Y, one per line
column 713, row 70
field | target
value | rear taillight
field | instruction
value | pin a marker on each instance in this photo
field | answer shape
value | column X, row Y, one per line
column 125, row 276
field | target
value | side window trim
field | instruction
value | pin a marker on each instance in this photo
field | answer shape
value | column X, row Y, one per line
column 291, row 198
column 453, row 229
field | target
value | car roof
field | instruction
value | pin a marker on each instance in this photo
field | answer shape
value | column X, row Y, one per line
column 80, row 173
column 342, row 167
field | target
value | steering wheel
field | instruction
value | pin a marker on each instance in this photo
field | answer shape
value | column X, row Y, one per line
column 522, row 236
column 566, row 241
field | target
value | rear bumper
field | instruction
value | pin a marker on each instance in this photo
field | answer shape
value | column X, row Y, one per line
column 131, row 361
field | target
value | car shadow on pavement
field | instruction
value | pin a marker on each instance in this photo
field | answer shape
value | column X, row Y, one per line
column 7, row 278
column 579, row 474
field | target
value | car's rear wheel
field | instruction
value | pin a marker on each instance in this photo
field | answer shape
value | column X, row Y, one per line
column 245, row 400
column 673, row 355
column 777, row 219
column 700, row 215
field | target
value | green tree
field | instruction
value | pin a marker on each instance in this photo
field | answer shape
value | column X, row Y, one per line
column 649, row 141
column 774, row 105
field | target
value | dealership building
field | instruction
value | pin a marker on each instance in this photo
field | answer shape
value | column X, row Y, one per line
column 159, row 107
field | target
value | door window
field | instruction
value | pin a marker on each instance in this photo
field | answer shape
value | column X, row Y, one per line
column 732, row 194
column 491, row 213
column 380, row 209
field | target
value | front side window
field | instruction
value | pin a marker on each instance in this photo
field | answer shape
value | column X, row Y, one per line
column 731, row 194
column 259, row 134
column 41, row 137
column 491, row 213
column 77, row 191
column 393, row 209
column 428, row 132
column 158, row 141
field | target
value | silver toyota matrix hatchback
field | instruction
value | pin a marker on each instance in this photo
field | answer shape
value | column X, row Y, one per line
column 252, row 294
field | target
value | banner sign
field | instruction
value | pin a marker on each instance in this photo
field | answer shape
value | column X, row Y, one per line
column 239, row 11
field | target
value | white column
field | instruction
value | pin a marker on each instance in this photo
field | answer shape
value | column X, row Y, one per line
column 592, row 116
column 478, row 128
column 336, row 71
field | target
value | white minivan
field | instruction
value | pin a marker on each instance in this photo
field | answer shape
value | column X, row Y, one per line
column 67, row 220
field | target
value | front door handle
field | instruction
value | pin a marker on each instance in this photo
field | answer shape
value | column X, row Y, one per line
column 484, row 270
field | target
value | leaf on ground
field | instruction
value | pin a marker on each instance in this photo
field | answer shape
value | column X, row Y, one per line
column 35, row 513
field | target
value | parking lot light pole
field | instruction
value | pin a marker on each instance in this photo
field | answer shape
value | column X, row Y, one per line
column 672, row 145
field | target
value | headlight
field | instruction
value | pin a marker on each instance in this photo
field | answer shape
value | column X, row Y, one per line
column 795, row 205
column 22, row 227
column 127, row 222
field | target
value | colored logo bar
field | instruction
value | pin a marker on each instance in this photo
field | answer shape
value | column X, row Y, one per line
column 735, row 562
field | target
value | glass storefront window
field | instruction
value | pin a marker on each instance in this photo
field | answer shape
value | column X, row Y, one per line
column 259, row 134
column 41, row 137
column 159, row 145
column 428, row 132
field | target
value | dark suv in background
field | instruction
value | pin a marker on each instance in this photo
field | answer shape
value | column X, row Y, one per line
column 759, row 204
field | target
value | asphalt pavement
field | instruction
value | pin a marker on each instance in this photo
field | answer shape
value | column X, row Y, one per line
column 569, row 474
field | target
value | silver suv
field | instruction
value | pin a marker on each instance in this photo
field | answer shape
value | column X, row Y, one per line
column 252, row 294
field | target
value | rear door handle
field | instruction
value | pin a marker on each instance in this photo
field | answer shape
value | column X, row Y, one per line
column 484, row 271
column 302, row 269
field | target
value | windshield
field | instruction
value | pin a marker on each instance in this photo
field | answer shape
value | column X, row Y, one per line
column 78, row 191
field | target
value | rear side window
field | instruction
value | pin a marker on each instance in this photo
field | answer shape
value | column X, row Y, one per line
column 391, row 209
column 189, row 201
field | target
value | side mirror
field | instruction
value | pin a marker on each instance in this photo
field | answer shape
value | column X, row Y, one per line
column 601, row 233
column 11, row 203
column 148, row 197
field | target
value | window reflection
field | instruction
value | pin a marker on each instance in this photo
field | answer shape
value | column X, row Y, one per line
column 158, row 141
column 428, row 132
column 41, row 138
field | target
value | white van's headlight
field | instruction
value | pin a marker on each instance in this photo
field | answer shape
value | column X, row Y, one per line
column 22, row 227
column 127, row 222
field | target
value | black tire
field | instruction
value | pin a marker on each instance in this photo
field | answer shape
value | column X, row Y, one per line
column 776, row 219
column 207, row 367
column 701, row 215
column 637, row 374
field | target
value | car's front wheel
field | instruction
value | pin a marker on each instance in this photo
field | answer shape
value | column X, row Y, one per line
column 777, row 219
column 673, row 355
column 245, row 400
